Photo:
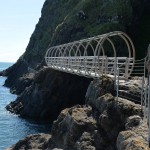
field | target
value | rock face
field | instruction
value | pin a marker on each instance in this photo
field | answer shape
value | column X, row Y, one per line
column 84, row 128
column 50, row 92
column 135, row 136
column 16, row 71
column 22, row 83
column 104, row 123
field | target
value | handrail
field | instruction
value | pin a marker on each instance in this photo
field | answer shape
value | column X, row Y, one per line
column 86, row 54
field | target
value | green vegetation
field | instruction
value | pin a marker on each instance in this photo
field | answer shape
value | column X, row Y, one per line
column 63, row 21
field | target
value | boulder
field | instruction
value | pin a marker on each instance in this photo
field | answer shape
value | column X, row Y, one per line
column 70, row 125
column 135, row 138
column 98, row 88
column 36, row 141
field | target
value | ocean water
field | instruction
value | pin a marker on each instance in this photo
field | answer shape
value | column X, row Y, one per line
column 13, row 128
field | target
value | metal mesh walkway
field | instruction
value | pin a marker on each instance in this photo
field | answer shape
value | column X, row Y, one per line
column 94, row 56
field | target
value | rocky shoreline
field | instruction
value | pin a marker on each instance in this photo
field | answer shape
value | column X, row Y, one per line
column 98, row 122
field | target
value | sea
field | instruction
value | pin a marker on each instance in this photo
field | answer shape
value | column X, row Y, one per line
column 12, row 127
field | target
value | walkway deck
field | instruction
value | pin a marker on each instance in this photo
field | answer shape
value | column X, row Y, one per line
column 94, row 56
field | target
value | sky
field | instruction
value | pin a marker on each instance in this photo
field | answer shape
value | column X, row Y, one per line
column 17, row 22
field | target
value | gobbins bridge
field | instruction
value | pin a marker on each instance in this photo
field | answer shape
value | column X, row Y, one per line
column 111, row 54
column 95, row 56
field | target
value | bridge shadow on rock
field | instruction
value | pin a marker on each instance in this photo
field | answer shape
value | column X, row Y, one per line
column 51, row 91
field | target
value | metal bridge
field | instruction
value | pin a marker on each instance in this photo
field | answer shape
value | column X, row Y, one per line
column 112, row 54
column 95, row 56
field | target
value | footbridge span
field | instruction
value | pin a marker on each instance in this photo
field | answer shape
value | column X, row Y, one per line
column 112, row 54
column 95, row 56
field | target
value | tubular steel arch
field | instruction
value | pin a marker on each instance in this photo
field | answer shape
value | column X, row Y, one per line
column 95, row 56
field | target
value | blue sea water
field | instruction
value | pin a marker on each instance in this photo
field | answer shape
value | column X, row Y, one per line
column 13, row 128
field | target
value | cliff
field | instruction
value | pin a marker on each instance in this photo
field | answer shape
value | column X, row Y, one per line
column 46, row 93
column 67, row 20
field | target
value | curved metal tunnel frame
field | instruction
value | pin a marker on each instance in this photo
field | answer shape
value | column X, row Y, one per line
column 74, row 57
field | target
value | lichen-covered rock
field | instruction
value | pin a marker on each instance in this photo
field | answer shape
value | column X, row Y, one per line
column 37, row 141
column 134, row 139
column 86, row 141
column 102, row 102
column 70, row 125
column 98, row 88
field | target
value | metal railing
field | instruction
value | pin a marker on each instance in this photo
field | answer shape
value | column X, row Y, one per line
column 93, row 57
column 139, row 67
column 91, row 66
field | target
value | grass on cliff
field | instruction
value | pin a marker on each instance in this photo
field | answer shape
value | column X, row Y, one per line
column 60, row 22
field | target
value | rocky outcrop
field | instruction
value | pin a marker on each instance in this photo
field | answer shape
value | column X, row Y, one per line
column 71, row 125
column 37, row 141
column 50, row 92
column 2, row 73
column 131, row 89
column 22, row 83
column 135, row 136
column 98, row 88
column 81, row 128
column 104, row 123
column 15, row 72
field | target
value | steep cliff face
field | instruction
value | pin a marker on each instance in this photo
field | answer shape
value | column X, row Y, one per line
column 67, row 20
column 48, row 92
